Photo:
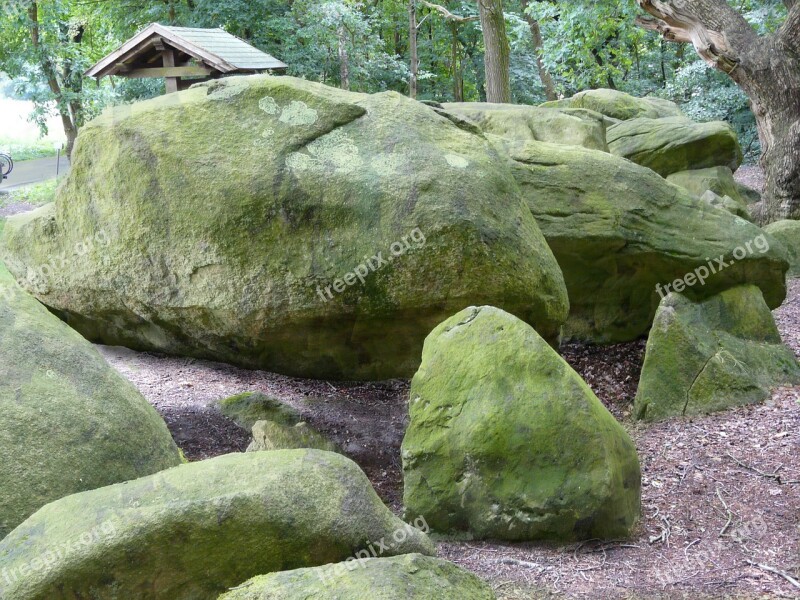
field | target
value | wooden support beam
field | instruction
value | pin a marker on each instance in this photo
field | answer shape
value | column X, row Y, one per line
column 168, row 72
column 173, row 83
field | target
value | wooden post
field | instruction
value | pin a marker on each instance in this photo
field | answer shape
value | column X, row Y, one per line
column 168, row 57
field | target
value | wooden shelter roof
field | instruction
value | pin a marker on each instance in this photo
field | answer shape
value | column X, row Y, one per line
column 213, row 50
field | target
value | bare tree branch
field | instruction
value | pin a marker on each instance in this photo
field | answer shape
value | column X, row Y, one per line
column 448, row 15
column 789, row 33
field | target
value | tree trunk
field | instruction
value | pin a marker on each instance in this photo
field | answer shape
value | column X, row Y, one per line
column 455, row 64
column 538, row 46
column 497, row 58
column 412, row 45
column 767, row 68
column 344, row 59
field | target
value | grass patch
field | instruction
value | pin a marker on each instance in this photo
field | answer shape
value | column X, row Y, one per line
column 27, row 150
column 37, row 194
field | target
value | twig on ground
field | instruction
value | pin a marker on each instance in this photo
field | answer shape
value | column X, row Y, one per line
column 730, row 514
column 774, row 475
column 775, row 571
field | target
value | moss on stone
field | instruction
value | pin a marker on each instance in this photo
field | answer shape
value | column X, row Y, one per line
column 788, row 234
column 227, row 217
column 197, row 530
column 248, row 408
column 707, row 356
column 506, row 441
column 619, row 105
column 408, row 577
column 269, row 435
column 68, row 421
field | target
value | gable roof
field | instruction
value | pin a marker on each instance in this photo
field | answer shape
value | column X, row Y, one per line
column 215, row 47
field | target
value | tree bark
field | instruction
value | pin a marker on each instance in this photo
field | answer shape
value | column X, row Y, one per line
column 413, row 31
column 68, row 117
column 344, row 59
column 498, row 51
column 538, row 46
column 767, row 68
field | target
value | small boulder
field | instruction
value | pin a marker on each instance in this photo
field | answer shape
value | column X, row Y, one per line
column 68, row 421
column 675, row 144
column 788, row 233
column 195, row 531
column 619, row 105
column 717, row 179
column 269, row 435
column 726, row 203
column 506, row 441
column 250, row 407
column 407, row 577
column 710, row 355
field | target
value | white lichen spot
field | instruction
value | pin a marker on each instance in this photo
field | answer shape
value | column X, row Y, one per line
column 333, row 153
column 455, row 161
column 228, row 88
column 267, row 133
column 298, row 113
column 268, row 105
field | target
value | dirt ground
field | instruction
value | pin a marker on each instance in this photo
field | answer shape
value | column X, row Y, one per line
column 720, row 496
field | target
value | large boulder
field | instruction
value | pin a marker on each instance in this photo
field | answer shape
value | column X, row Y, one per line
column 624, row 230
column 530, row 123
column 619, row 105
column 68, row 421
column 195, row 531
column 276, row 223
column 788, row 233
column 506, row 441
column 408, row 577
column 675, row 144
column 707, row 356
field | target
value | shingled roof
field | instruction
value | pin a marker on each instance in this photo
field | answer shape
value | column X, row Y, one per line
column 216, row 49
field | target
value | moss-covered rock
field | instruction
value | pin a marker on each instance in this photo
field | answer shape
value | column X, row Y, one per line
column 408, row 577
column 506, row 441
column 68, row 421
column 735, row 207
column 195, row 531
column 530, row 123
column 250, row 407
column 623, row 230
column 717, row 179
column 675, row 144
column 788, row 233
column 707, row 356
column 276, row 223
column 269, row 435
column 619, row 105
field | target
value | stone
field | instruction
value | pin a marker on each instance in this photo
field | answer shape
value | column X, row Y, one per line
column 571, row 127
column 726, row 203
column 269, row 435
column 716, row 179
column 280, row 224
column 68, row 421
column 407, row 577
column 675, row 144
column 621, row 232
column 788, row 234
column 711, row 355
column 195, row 531
column 507, row 442
column 250, row 407
column 619, row 105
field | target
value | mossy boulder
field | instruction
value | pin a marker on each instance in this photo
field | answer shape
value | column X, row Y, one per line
column 506, row 441
column 735, row 207
column 68, row 421
column 530, row 123
column 624, row 230
column 717, row 179
column 619, row 105
column 674, row 144
column 250, row 407
column 408, row 577
column 276, row 223
column 707, row 356
column 269, row 435
column 788, row 233
column 195, row 531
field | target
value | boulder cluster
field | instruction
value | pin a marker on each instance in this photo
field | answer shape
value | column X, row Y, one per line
column 279, row 224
